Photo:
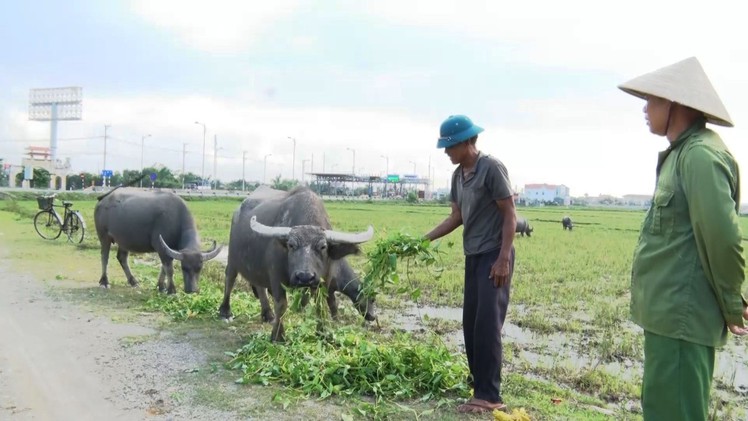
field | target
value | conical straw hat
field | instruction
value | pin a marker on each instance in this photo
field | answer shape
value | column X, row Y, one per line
column 685, row 83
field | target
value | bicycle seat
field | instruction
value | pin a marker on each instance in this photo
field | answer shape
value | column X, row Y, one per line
column 67, row 204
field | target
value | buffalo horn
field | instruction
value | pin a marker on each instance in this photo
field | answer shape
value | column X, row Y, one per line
column 348, row 237
column 169, row 252
column 266, row 231
column 212, row 253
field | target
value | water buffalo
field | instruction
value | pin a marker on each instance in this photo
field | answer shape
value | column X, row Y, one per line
column 566, row 222
column 523, row 226
column 288, row 242
column 145, row 222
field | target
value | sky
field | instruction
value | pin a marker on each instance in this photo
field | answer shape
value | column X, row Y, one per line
column 363, row 86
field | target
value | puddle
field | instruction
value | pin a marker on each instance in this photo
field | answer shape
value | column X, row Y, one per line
column 555, row 349
column 731, row 366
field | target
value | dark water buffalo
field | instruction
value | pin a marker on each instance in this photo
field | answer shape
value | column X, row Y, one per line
column 523, row 226
column 566, row 222
column 145, row 222
column 288, row 241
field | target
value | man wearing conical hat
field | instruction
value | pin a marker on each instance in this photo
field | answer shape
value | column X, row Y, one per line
column 688, row 266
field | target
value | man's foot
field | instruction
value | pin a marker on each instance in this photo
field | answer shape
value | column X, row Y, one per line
column 479, row 406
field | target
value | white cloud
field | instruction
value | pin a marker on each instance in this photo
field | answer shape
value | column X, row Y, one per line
column 221, row 26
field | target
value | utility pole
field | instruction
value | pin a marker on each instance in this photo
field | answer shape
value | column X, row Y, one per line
column 244, row 165
column 215, row 162
column 184, row 154
column 202, row 175
column 428, row 187
column 142, row 148
column 323, row 162
column 265, row 170
column 303, row 168
column 293, row 160
column 103, row 177
column 354, row 160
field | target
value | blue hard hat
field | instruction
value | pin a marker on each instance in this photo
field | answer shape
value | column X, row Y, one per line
column 456, row 129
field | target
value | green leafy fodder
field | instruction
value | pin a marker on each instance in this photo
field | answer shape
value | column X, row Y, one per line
column 382, row 272
column 347, row 363
column 183, row 306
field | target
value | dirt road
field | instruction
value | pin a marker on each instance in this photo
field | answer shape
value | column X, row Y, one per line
column 59, row 362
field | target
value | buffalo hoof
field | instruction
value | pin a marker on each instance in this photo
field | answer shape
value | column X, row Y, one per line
column 267, row 316
column 370, row 317
column 133, row 282
column 225, row 314
column 104, row 282
column 172, row 290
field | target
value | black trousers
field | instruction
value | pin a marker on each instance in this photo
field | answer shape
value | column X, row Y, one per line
column 483, row 313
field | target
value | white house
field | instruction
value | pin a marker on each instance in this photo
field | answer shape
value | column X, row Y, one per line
column 547, row 193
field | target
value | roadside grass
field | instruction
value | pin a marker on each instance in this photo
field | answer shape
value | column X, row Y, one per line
column 572, row 285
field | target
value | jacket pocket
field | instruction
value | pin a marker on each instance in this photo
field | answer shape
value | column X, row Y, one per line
column 664, row 213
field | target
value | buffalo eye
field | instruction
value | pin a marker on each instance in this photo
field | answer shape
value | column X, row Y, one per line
column 293, row 245
column 322, row 245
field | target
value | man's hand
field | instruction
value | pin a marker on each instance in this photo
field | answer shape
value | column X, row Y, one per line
column 500, row 271
column 740, row 331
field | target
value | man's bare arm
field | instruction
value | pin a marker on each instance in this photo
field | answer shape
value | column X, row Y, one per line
column 453, row 221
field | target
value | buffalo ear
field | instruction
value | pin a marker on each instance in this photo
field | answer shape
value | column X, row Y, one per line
column 338, row 251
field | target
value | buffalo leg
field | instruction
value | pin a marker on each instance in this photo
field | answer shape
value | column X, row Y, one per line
column 161, row 277
column 224, row 311
column 105, row 246
column 266, row 313
column 168, row 266
column 332, row 302
column 122, row 258
column 281, row 304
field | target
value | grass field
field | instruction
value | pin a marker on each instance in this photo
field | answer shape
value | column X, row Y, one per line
column 568, row 334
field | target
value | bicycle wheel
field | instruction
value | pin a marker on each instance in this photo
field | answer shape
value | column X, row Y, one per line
column 75, row 229
column 47, row 225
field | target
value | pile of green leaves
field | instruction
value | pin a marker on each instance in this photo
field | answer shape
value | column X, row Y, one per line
column 347, row 363
column 382, row 274
column 182, row 306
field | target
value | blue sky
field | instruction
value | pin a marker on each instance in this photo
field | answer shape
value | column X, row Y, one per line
column 376, row 77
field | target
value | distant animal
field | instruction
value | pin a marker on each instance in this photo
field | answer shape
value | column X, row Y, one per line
column 566, row 222
column 523, row 226
column 146, row 222
column 287, row 241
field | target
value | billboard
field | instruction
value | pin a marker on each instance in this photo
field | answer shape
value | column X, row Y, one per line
column 67, row 102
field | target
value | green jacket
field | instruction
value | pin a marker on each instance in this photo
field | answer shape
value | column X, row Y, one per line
column 688, row 265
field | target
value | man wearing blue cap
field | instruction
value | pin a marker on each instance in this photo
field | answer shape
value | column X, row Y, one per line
column 482, row 201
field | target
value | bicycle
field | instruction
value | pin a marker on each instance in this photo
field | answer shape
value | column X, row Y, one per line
column 49, row 225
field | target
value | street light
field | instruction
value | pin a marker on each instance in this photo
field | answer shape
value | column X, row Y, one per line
column 215, row 161
column 293, row 159
column 103, row 177
column 354, row 160
column 142, row 148
column 303, row 168
column 265, row 170
column 244, row 165
column 386, row 173
column 205, row 129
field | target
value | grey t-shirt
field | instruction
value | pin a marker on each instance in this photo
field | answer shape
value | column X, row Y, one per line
column 476, row 196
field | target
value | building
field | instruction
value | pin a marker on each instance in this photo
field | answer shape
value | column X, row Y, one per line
column 638, row 200
column 544, row 193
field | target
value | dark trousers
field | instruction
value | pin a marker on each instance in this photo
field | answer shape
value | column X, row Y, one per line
column 677, row 379
column 483, row 313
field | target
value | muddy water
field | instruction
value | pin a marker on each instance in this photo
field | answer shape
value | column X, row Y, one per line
column 558, row 349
